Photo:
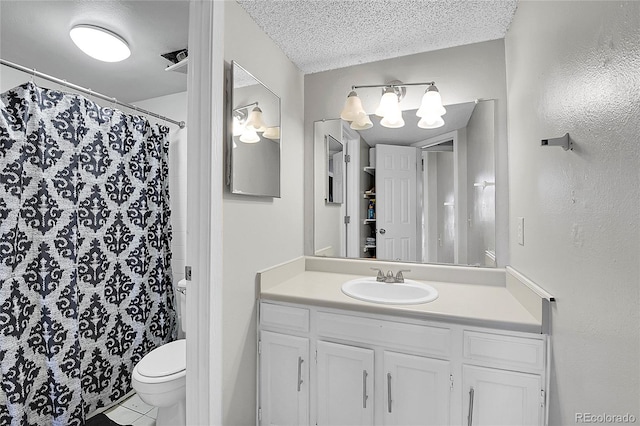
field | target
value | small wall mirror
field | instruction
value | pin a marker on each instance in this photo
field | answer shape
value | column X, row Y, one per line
column 335, row 177
column 255, row 137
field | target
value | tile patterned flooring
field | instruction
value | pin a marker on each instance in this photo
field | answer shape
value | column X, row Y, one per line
column 133, row 411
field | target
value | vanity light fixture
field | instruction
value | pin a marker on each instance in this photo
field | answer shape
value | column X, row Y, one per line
column 100, row 43
column 431, row 122
column 247, row 125
column 249, row 135
column 363, row 122
column 431, row 109
column 352, row 107
column 255, row 121
column 272, row 133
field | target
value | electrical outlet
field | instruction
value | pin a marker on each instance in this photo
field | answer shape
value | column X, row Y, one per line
column 520, row 223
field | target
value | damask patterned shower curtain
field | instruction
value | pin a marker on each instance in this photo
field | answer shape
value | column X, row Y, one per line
column 85, row 279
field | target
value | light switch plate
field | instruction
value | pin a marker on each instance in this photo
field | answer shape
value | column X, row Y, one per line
column 520, row 233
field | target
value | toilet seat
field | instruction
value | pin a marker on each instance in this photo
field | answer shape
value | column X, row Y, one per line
column 166, row 362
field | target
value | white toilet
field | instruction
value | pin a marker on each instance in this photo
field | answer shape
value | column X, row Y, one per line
column 159, row 377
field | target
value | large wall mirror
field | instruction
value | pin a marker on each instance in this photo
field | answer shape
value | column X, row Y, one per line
column 411, row 194
column 255, row 137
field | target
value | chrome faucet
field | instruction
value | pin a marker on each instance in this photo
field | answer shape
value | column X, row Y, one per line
column 400, row 277
column 390, row 278
column 380, row 276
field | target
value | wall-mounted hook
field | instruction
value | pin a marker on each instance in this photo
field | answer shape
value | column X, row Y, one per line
column 563, row 141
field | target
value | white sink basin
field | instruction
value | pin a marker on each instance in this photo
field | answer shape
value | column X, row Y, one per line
column 408, row 293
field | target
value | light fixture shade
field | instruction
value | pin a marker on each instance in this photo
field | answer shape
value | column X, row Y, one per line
column 238, row 128
column 431, row 103
column 272, row 133
column 388, row 103
column 99, row 43
column 393, row 120
column 352, row 107
column 255, row 121
column 249, row 136
column 362, row 123
column 431, row 122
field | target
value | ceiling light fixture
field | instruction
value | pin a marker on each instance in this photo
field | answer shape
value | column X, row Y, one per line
column 99, row 43
column 431, row 109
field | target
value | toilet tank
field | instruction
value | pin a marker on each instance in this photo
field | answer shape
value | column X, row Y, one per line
column 182, row 302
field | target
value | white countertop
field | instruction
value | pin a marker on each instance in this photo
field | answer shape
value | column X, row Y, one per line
column 483, row 305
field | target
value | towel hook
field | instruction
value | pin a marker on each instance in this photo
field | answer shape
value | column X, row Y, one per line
column 563, row 141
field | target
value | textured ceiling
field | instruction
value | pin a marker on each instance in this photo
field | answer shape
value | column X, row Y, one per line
column 329, row 34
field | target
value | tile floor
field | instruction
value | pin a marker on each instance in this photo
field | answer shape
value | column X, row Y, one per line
column 133, row 411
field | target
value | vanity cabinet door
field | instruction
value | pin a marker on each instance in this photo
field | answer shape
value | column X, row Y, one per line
column 494, row 397
column 284, row 379
column 345, row 385
column 416, row 390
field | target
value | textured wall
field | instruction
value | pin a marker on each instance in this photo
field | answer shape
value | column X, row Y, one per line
column 258, row 232
column 574, row 67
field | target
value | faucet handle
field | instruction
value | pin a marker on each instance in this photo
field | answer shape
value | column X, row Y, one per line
column 399, row 276
column 380, row 276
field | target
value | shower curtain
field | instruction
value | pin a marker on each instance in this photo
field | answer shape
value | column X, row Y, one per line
column 85, row 278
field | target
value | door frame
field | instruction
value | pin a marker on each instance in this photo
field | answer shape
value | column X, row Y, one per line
column 205, row 182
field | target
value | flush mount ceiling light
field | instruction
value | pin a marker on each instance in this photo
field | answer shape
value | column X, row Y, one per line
column 99, row 43
column 430, row 111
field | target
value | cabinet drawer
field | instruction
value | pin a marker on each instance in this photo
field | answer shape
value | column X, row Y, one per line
column 507, row 351
column 284, row 317
column 411, row 337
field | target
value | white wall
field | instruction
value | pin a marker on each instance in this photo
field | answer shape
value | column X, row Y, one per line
column 462, row 74
column 258, row 232
column 573, row 67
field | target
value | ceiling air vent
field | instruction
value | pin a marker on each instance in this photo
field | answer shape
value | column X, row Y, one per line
column 178, row 59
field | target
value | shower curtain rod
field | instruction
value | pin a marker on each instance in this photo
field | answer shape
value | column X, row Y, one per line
column 89, row 92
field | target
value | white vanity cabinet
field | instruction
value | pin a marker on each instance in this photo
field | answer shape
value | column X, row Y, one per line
column 345, row 393
column 284, row 366
column 369, row 369
column 502, row 379
column 500, row 397
column 416, row 390
column 284, row 384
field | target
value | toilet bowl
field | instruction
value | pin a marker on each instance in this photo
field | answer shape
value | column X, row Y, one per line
column 159, row 378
